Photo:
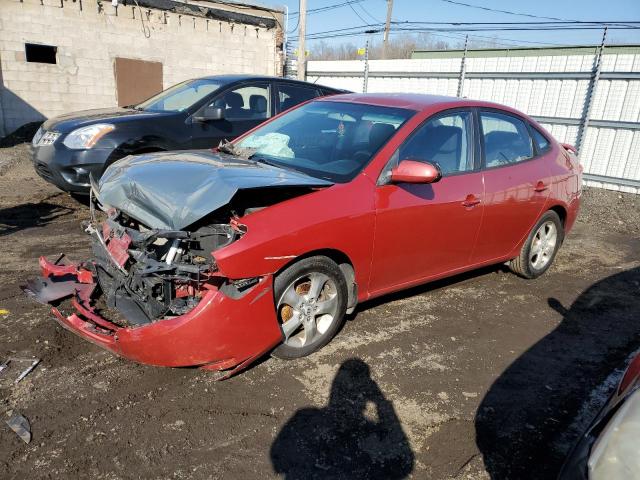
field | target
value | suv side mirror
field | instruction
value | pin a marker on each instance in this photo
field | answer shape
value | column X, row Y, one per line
column 210, row 113
column 412, row 171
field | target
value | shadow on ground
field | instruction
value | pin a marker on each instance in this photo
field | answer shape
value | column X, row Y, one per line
column 521, row 420
column 356, row 436
column 28, row 215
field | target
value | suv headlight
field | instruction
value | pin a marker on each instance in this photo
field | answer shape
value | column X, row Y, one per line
column 87, row 137
column 616, row 453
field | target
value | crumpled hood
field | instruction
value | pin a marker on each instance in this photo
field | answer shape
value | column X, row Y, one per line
column 172, row 190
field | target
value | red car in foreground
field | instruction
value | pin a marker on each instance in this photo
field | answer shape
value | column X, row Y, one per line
column 214, row 258
column 610, row 447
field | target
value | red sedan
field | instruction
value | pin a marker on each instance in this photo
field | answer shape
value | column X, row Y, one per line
column 213, row 258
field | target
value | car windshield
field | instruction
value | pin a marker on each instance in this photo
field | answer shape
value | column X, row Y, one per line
column 179, row 97
column 330, row 140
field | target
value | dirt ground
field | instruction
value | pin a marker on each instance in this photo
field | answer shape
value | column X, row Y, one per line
column 484, row 375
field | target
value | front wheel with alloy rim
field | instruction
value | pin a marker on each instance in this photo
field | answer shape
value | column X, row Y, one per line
column 311, row 301
column 541, row 247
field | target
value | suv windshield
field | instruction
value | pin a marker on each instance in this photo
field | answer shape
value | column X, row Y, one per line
column 331, row 140
column 179, row 97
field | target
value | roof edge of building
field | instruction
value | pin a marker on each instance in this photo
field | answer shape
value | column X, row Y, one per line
column 524, row 51
column 269, row 20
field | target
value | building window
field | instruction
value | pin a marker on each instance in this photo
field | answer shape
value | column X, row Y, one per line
column 40, row 53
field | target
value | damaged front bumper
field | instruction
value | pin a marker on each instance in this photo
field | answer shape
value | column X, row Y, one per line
column 220, row 333
column 153, row 291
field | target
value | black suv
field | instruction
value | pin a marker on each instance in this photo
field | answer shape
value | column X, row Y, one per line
column 194, row 114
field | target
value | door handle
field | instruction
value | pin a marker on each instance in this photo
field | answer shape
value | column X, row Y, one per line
column 470, row 201
column 540, row 187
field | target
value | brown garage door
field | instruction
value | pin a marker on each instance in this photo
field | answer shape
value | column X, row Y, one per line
column 136, row 80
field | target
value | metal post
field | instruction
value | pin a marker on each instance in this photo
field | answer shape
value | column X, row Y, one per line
column 591, row 91
column 302, row 52
column 463, row 67
column 387, row 25
column 366, row 67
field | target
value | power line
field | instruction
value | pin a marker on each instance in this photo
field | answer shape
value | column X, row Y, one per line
column 451, row 31
column 368, row 14
column 576, row 22
column 358, row 15
column 518, row 28
column 415, row 30
column 512, row 42
column 489, row 9
column 508, row 12
column 327, row 7
column 460, row 28
column 297, row 22
column 488, row 26
column 459, row 36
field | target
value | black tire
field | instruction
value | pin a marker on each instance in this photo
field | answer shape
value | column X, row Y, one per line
column 522, row 265
column 292, row 274
column 82, row 198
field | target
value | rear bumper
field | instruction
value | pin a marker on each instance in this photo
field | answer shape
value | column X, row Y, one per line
column 573, row 209
column 220, row 333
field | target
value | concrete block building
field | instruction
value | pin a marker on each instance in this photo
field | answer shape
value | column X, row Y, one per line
column 59, row 56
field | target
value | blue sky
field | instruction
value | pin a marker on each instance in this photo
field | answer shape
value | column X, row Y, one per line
column 440, row 10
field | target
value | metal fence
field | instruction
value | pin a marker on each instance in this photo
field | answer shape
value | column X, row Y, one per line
column 585, row 96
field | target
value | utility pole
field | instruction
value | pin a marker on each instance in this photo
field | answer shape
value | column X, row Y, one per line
column 302, row 52
column 385, row 41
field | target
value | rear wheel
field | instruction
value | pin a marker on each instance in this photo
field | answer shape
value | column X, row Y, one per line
column 311, row 300
column 541, row 247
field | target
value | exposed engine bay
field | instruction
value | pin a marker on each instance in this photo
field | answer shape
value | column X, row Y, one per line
column 148, row 274
column 152, row 290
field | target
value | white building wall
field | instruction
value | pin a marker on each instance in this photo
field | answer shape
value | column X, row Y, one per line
column 88, row 41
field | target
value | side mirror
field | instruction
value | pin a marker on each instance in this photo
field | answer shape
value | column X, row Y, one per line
column 210, row 113
column 411, row 171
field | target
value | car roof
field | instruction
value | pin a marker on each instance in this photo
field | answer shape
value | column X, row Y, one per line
column 413, row 101
column 232, row 78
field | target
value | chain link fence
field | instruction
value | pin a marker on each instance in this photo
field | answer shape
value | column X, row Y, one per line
column 585, row 96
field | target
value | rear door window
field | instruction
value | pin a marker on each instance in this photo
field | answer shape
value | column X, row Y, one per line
column 291, row 95
column 248, row 102
column 506, row 139
column 542, row 144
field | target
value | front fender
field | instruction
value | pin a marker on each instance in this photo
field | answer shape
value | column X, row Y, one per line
column 339, row 218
